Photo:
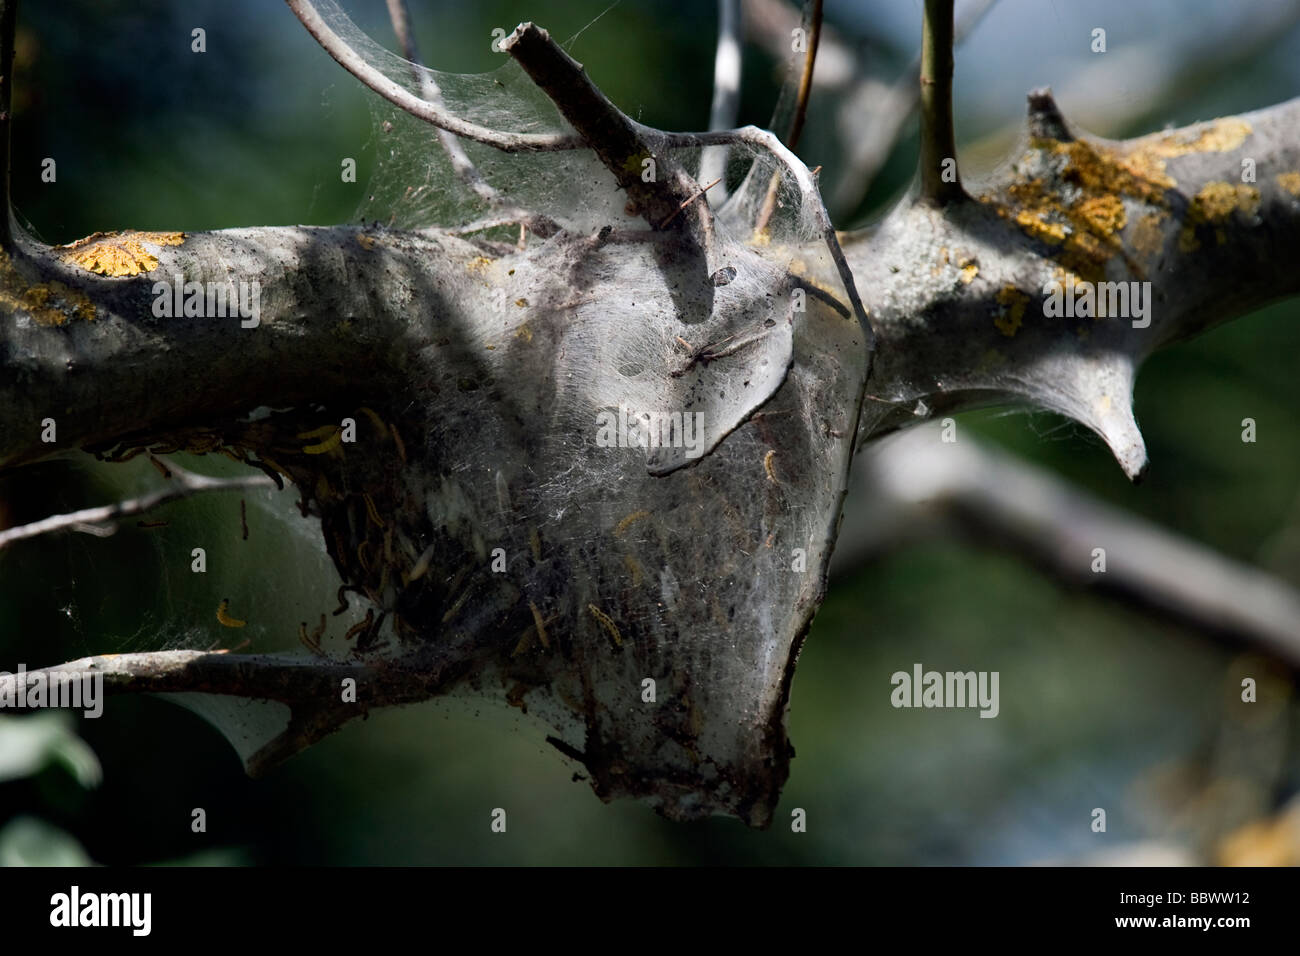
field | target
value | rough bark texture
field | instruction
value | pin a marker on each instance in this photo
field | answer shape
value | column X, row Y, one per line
column 477, row 425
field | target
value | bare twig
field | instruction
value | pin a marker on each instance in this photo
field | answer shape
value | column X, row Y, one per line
column 92, row 520
column 621, row 144
column 795, row 129
column 763, row 139
column 805, row 78
column 464, row 167
column 726, row 95
column 351, row 61
column 913, row 484
column 307, row 685
column 940, row 185
column 873, row 115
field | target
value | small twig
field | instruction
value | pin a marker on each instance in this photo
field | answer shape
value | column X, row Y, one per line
column 879, row 130
column 308, row 686
column 763, row 139
column 805, row 79
column 464, row 167
column 795, row 129
column 687, row 202
column 939, row 185
column 352, row 61
column 188, row 484
column 620, row 143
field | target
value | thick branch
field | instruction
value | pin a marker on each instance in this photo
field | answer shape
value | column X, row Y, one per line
column 961, row 302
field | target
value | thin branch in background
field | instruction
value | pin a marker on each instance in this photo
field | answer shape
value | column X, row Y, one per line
column 400, row 15
column 795, row 129
column 307, row 686
column 805, row 78
column 940, row 182
column 99, row 521
column 912, row 486
column 352, row 61
column 873, row 118
column 726, row 96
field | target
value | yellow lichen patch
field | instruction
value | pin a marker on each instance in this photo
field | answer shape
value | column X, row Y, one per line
column 1086, row 227
column 1218, row 136
column 969, row 269
column 1218, row 200
column 1012, row 312
column 1103, row 214
column 1290, row 182
column 48, row 303
column 118, row 253
column 479, row 264
column 1148, row 237
column 1213, row 205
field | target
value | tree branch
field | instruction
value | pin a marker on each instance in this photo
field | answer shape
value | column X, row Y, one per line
column 187, row 485
column 400, row 16
column 876, row 117
column 914, row 484
column 348, row 58
column 939, row 185
column 961, row 302
column 478, row 378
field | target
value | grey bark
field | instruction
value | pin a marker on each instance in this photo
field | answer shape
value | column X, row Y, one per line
column 702, row 574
